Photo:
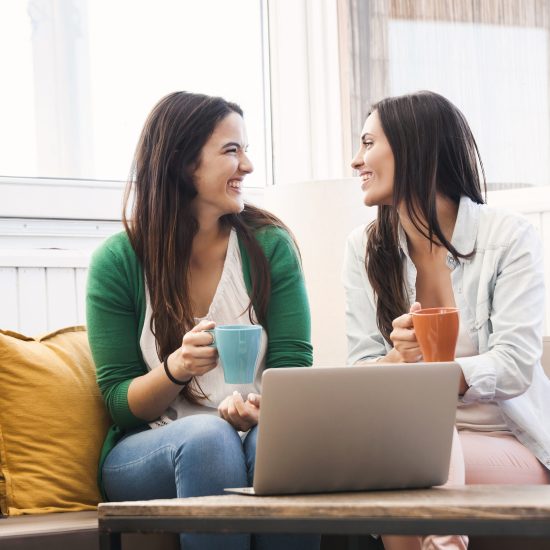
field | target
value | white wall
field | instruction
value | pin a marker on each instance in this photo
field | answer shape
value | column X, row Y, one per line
column 321, row 214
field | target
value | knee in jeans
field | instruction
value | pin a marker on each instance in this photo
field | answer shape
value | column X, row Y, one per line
column 207, row 432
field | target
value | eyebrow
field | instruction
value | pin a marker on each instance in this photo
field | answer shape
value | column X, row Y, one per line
column 365, row 135
column 232, row 144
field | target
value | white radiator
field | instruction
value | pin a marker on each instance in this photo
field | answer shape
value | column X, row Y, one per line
column 43, row 266
column 43, row 291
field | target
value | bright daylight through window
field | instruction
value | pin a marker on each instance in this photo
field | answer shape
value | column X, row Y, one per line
column 84, row 74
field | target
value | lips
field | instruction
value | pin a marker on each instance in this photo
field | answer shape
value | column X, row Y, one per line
column 366, row 177
column 235, row 184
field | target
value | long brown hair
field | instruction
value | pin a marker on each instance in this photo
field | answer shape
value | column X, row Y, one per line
column 435, row 152
column 162, row 225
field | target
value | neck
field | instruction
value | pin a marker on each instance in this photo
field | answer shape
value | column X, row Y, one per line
column 446, row 211
column 210, row 240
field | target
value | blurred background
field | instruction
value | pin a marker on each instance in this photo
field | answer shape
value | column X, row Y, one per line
column 78, row 78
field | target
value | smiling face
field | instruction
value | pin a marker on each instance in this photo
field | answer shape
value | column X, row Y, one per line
column 222, row 168
column 375, row 163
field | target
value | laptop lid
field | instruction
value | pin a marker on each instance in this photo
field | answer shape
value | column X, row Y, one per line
column 385, row 426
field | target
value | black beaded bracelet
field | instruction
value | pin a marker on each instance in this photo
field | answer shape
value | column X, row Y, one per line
column 172, row 379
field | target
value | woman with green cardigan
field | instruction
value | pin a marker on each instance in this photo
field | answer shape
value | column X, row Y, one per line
column 193, row 255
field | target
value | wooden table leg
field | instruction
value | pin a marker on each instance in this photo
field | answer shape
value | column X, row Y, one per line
column 109, row 541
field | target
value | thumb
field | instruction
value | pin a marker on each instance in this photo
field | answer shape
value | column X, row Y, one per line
column 415, row 307
column 254, row 399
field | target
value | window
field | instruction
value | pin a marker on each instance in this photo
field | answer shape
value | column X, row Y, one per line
column 489, row 58
column 84, row 74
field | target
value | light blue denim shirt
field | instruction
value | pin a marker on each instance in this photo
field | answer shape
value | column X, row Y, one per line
column 500, row 293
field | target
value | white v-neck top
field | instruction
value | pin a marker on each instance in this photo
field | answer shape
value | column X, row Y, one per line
column 229, row 307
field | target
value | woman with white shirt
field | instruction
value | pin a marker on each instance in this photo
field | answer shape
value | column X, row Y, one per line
column 192, row 255
column 436, row 243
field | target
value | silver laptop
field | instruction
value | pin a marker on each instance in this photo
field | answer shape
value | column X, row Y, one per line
column 355, row 428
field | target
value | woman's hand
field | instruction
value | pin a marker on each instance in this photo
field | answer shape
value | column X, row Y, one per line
column 242, row 415
column 405, row 345
column 195, row 357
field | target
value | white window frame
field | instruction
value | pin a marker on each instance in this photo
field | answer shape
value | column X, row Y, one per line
column 33, row 198
column 314, row 45
column 315, row 42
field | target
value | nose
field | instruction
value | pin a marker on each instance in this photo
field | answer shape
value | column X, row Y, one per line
column 358, row 160
column 245, row 165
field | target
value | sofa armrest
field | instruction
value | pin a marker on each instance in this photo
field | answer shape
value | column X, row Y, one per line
column 50, row 531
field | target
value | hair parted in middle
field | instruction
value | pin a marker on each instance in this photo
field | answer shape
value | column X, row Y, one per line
column 162, row 225
column 434, row 152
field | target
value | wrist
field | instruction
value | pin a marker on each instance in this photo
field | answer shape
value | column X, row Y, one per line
column 393, row 356
column 173, row 375
column 178, row 366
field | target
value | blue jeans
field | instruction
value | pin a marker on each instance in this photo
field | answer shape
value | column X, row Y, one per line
column 194, row 456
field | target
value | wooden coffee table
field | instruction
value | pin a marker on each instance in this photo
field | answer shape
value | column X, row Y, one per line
column 501, row 510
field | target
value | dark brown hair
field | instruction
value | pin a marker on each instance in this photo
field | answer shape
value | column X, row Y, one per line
column 434, row 152
column 162, row 225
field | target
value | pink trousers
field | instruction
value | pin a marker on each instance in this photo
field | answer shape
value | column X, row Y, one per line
column 479, row 457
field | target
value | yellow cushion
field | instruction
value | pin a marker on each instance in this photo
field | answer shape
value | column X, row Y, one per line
column 52, row 423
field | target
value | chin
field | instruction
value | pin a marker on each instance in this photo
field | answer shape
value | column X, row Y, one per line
column 369, row 200
column 237, row 207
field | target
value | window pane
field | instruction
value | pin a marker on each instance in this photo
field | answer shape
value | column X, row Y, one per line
column 497, row 76
column 17, row 114
column 490, row 58
column 111, row 62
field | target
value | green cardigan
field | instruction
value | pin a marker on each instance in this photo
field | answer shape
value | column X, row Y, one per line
column 115, row 310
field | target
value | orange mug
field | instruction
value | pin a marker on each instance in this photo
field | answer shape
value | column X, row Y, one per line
column 436, row 330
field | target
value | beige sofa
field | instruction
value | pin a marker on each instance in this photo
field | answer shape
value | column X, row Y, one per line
column 78, row 530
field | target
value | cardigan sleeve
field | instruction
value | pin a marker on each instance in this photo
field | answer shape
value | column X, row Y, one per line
column 288, row 316
column 113, row 327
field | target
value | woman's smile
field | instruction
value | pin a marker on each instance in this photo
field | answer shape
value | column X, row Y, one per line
column 223, row 166
column 366, row 177
column 375, row 163
column 235, row 184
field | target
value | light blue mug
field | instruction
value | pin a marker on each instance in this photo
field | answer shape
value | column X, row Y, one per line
column 238, row 347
